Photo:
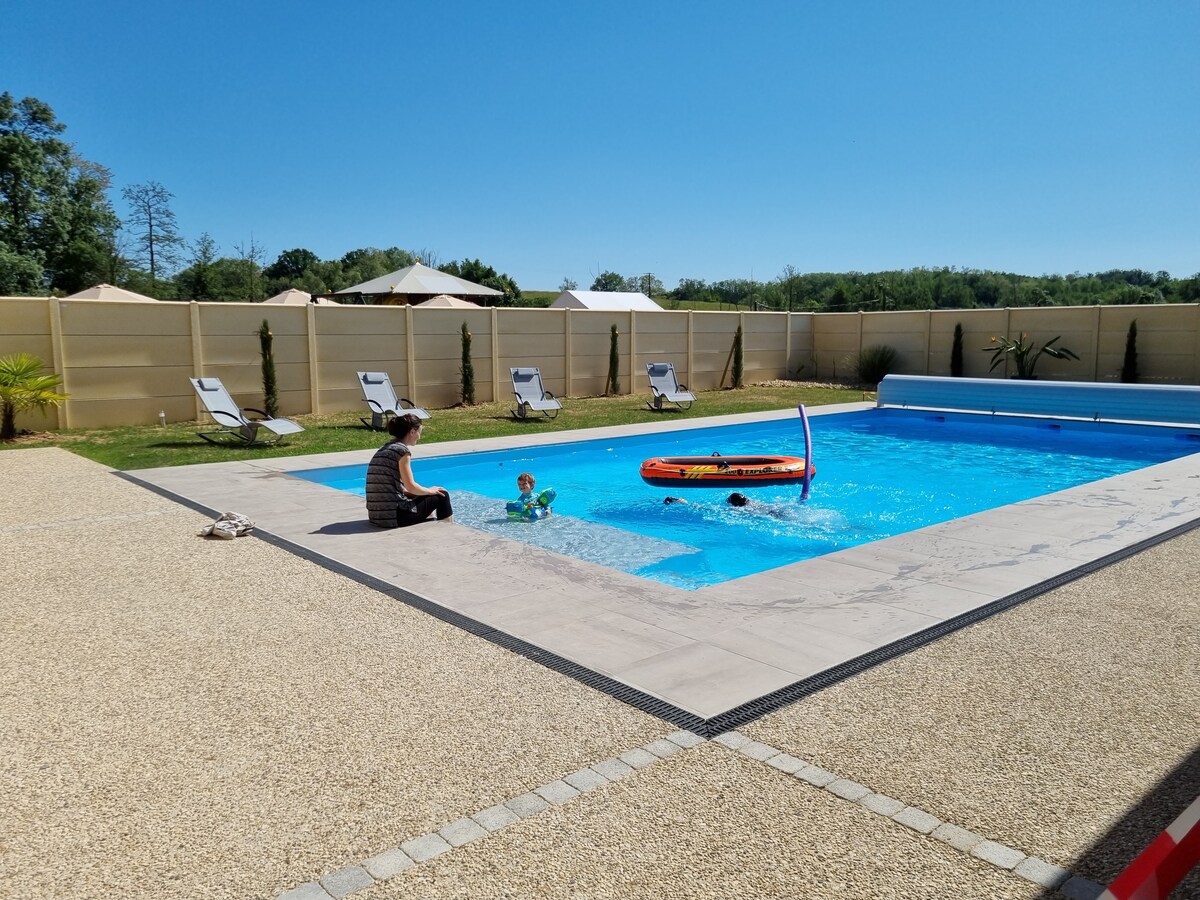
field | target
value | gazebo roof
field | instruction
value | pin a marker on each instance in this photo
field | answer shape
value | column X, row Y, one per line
column 445, row 300
column 420, row 279
column 297, row 297
column 109, row 292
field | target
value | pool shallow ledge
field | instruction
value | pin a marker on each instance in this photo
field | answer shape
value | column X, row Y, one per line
column 715, row 658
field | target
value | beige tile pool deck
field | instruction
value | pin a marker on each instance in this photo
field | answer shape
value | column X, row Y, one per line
column 705, row 659
column 182, row 718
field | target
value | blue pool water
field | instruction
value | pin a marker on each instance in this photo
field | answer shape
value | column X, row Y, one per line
column 879, row 473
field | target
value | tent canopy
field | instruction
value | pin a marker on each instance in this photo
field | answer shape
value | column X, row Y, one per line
column 605, row 300
column 109, row 292
column 420, row 280
column 445, row 300
column 297, row 297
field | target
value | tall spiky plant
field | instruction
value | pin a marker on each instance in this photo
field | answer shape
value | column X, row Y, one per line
column 614, row 364
column 24, row 386
column 270, row 388
column 468, row 369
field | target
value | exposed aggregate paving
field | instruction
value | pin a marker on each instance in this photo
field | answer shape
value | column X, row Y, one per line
column 186, row 717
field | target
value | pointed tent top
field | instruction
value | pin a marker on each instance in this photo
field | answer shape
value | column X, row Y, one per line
column 109, row 292
column 297, row 297
column 444, row 300
column 420, row 279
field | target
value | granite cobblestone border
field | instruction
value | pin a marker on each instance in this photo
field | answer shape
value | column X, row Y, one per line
column 357, row 877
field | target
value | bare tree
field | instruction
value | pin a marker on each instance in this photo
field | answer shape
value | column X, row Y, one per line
column 252, row 256
column 157, row 244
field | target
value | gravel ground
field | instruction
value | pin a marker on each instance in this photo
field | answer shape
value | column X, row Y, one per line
column 183, row 717
column 1040, row 728
column 187, row 717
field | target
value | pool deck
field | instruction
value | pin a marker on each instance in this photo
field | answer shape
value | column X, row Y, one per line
column 719, row 657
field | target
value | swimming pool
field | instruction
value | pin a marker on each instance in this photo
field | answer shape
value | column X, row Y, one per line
column 880, row 473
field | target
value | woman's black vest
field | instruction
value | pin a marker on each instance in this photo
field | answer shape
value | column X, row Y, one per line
column 385, row 490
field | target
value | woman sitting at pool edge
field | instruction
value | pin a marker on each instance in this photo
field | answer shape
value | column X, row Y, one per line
column 394, row 498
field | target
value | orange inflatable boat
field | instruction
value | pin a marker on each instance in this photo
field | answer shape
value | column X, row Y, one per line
column 718, row 471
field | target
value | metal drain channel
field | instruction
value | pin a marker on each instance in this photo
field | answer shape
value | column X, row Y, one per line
column 732, row 718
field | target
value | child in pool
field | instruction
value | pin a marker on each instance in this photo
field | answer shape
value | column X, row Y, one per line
column 530, row 506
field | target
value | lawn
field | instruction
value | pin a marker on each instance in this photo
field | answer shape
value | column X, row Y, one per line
column 150, row 446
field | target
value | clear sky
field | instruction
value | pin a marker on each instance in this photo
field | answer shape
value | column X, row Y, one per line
column 689, row 139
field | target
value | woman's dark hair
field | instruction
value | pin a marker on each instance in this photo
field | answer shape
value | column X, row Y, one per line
column 401, row 425
column 736, row 499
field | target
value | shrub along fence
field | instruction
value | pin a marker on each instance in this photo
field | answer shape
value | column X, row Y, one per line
column 122, row 363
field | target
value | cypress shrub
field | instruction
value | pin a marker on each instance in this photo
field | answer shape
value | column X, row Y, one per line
column 614, row 364
column 468, row 369
column 1129, row 372
column 738, row 358
column 956, row 352
column 270, row 388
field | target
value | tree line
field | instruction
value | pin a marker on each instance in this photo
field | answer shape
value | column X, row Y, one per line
column 920, row 288
column 59, row 233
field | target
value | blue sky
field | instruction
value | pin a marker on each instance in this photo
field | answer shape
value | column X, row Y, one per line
column 702, row 139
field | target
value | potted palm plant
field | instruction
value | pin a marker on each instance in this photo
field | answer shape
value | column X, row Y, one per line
column 23, row 385
column 1025, row 353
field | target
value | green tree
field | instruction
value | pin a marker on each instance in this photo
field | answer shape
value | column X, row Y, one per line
column 23, row 386
column 57, row 227
column 157, row 242
column 291, row 265
column 198, row 281
column 477, row 271
column 608, row 281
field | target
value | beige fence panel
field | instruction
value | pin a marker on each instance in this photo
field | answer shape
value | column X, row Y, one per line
column 905, row 332
column 355, row 339
column 437, row 341
column 231, row 351
column 25, row 328
column 123, row 362
column 591, row 336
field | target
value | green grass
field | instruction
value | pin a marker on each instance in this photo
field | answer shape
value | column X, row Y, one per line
column 150, row 446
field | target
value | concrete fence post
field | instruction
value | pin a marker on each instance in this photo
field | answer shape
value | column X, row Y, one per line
column 495, row 354
column 632, row 349
column 197, row 353
column 314, row 387
column 63, row 411
column 568, row 359
column 410, row 353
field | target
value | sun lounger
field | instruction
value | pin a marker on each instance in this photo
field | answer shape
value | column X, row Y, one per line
column 381, row 397
column 237, row 427
column 531, row 396
column 665, row 387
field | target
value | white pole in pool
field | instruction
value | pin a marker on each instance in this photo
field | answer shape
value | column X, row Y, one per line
column 807, row 454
